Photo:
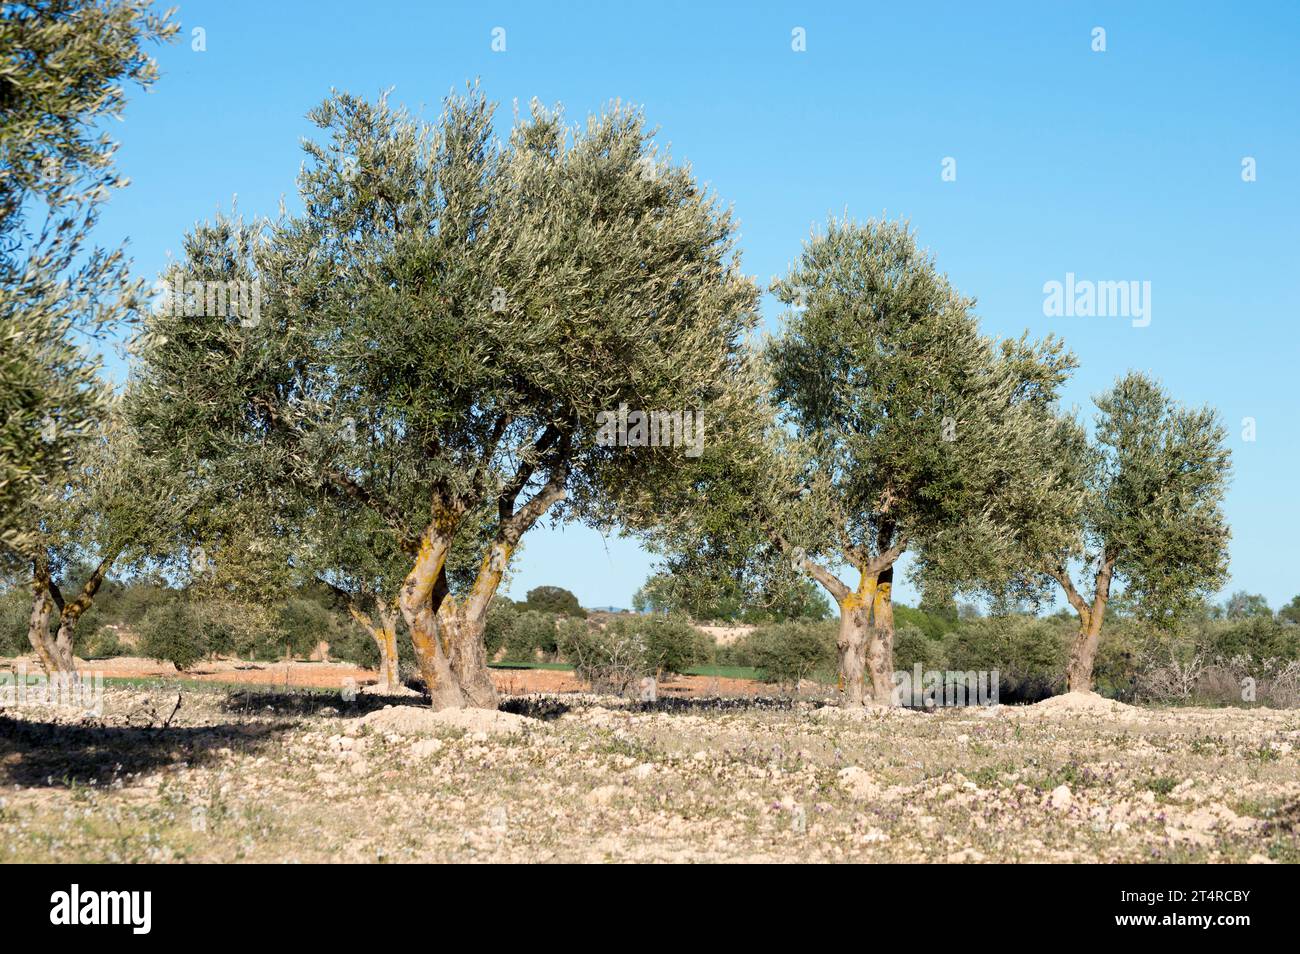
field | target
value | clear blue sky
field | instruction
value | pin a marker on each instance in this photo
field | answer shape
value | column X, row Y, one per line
column 1116, row 165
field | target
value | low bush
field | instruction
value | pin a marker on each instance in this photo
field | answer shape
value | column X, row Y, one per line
column 626, row 650
column 15, row 610
column 914, row 647
column 529, row 634
column 612, row 658
column 106, row 644
column 788, row 652
column 172, row 632
column 1030, row 654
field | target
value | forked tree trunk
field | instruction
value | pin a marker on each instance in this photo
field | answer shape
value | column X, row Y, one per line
column 58, row 651
column 881, row 652
column 448, row 634
column 385, row 636
column 1078, row 676
column 863, row 646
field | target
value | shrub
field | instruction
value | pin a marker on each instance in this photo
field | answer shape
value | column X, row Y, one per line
column 554, row 600
column 302, row 623
column 172, row 632
column 737, row 653
column 788, row 652
column 912, row 646
column 15, row 609
column 529, row 633
column 1259, row 637
column 610, row 658
column 138, row 599
column 1029, row 654
column 105, row 644
column 501, row 616
column 672, row 644
column 929, row 624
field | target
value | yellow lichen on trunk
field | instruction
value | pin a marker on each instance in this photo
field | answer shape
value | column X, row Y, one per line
column 852, row 640
column 882, row 641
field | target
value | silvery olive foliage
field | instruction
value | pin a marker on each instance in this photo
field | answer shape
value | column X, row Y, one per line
column 900, row 406
column 879, row 423
column 63, row 67
column 1135, row 505
column 442, row 323
column 879, row 417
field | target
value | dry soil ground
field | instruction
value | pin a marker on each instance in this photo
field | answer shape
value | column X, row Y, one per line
column 292, row 676
column 256, row 775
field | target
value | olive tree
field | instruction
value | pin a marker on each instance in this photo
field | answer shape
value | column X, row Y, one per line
column 879, row 423
column 901, row 412
column 118, row 507
column 1137, row 503
column 438, row 331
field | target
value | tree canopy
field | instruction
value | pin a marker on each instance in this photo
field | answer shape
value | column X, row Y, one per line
column 438, row 331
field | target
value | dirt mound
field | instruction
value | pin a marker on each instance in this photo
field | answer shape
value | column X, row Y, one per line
column 872, row 710
column 1081, row 704
column 420, row 720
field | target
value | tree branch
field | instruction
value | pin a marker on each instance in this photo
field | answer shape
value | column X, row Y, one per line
column 1062, row 576
column 530, row 459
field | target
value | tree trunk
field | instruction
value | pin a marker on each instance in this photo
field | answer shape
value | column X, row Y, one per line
column 385, row 637
column 38, row 630
column 852, row 646
column 448, row 641
column 63, row 643
column 433, row 659
column 1078, row 677
column 462, row 631
column 881, row 652
column 423, row 592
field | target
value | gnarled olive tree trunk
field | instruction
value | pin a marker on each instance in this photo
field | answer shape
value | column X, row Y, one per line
column 56, row 653
column 38, row 629
column 464, row 621
column 881, row 652
column 852, row 647
column 866, row 637
column 447, row 633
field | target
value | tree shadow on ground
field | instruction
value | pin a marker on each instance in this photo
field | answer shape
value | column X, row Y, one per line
column 254, row 702
column 535, row 707
column 713, row 704
column 59, row 755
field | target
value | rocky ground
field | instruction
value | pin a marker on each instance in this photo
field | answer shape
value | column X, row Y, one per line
column 258, row 775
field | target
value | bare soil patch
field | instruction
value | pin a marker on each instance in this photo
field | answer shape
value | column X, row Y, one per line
column 247, row 774
column 323, row 675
